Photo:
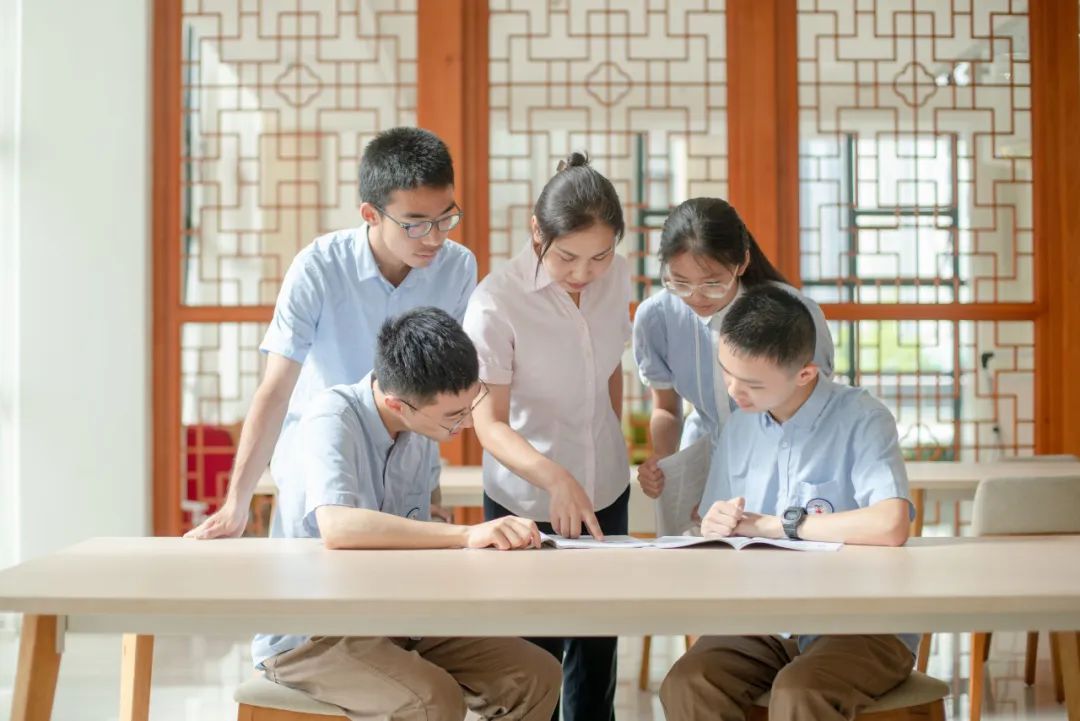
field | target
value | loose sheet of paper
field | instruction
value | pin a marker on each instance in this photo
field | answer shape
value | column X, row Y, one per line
column 685, row 474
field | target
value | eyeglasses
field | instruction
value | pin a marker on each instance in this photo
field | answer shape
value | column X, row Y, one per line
column 422, row 228
column 457, row 424
column 712, row 291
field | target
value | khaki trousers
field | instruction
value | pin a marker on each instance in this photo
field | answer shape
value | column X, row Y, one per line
column 431, row 679
column 721, row 676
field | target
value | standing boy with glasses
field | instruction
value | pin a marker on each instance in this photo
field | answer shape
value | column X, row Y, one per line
column 336, row 295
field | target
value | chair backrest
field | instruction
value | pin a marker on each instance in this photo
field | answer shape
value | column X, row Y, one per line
column 1029, row 505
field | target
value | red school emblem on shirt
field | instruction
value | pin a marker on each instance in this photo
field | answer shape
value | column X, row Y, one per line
column 818, row 506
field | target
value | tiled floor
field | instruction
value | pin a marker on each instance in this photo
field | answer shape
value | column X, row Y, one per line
column 193, row 679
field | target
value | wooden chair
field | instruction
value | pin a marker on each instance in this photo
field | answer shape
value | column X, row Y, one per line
column 260, row 699
column 919, row 698
column 1013, row 507
column 646, row 652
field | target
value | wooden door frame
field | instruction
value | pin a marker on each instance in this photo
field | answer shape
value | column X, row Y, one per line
column 452, row 101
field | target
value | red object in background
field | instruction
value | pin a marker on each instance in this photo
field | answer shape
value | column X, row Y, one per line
column 209, row 453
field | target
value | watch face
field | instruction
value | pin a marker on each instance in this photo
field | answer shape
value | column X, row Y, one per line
column 791, row 514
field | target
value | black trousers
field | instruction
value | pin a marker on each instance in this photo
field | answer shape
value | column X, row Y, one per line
column 588, row 663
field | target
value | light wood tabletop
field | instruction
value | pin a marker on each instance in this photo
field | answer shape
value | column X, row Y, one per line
column 148, row 586
column 296, row 585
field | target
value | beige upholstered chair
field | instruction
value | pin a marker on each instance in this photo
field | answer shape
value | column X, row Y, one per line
column 920, row 698
column 1013, row 507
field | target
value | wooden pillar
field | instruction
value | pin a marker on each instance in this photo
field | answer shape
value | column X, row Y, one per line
column 166, row 115
column 763, row 130
column 452, row 102
column 1055, row 115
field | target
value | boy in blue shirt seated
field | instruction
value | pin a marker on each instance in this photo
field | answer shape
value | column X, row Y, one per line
column 803, row 458
column 370, row 460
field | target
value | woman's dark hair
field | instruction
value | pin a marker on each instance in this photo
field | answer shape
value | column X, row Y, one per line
column 577, row 197
column 711, row 227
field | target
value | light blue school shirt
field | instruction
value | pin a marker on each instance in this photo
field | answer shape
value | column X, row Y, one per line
column 674, row 349
column 349, row 459
column 332, row 303
column 839, row 452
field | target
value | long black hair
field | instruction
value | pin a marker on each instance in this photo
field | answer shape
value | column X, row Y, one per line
column 711, row 227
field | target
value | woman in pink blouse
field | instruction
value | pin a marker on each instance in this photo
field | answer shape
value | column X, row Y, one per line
column 550, row 328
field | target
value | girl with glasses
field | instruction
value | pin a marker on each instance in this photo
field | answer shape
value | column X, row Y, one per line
column 708, row 258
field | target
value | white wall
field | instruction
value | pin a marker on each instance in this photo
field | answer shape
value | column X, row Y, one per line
column 83, row 298
column 9, row 57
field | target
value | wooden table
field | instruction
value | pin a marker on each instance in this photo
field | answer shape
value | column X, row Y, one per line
column 172, row 586
column 462, row 486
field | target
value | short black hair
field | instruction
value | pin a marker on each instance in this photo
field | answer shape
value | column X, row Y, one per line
column 422, row 353
column 403, row 159
column 770, row 322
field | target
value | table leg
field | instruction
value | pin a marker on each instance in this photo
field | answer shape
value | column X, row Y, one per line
column 136, row 663
column 918, row 500
column 1069, row 653
column 39, row 666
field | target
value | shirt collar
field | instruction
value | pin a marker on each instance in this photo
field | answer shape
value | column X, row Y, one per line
column 530, row 270
column 368, row 268
column 716, row 319
column 811, row 409
column 369, row 415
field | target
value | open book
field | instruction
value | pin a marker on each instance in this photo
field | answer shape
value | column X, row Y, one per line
column 736, row 542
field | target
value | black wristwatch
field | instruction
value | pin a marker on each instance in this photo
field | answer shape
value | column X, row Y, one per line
column 792, row 518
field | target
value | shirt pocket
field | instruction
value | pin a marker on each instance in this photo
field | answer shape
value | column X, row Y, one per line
column 818, row 498
column 417, row 506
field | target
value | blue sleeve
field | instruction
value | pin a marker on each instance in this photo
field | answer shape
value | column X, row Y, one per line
column 468, row 285
column 878, row 472
column 334, row 473
column 296, row 313
column 651, row 347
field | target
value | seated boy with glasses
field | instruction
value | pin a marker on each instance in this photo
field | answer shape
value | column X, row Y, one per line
column 370, row 459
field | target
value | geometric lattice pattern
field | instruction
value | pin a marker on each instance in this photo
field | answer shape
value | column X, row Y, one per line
column 915, row 187
column 915, row 151
column 220, row 370
column 641, row 85
column 280, row 98
column 960, row 390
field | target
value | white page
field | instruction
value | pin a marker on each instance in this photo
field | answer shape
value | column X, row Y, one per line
column 740, row 542
column 685, row 474
column 590, row 542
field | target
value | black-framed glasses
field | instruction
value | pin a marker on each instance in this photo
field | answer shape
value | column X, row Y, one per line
column 422, row 228
column 457, row 424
